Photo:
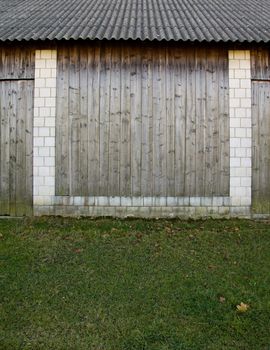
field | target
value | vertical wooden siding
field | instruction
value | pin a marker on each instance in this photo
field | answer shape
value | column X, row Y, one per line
column 260, row 73
column 142, row 120
column 17, row 62
column 261, row 146
column 16, row 119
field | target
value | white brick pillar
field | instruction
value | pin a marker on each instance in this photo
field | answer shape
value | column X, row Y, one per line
column 44, row 127
column 240, row 128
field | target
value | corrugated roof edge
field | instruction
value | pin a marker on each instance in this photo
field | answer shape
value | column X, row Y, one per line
column 137, row 40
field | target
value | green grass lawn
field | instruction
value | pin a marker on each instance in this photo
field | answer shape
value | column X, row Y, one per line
column 134, row 284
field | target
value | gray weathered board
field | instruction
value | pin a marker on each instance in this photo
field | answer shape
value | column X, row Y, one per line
column 16, row 118
column 260, row 64
column 142, row 120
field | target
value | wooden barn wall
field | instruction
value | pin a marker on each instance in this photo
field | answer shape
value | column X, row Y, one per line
column 142, row 120
column 16, row 120
column 260, row 63
column 260, row 73
column 17, row 62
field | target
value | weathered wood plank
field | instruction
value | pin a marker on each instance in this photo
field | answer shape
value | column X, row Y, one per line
column 125, row 167
column 180, row 105
column 94, row 109
column 114, row 130
column 83, row 110
column 4, row 148
column 62, row 154
column 147, row 124
column 200, row 116
column 17, row 62
column 75, row 120
column 190, row 155
column 261, row 147
column 105, row 79
column 12, row 111
column 170, row 122
column 156, row 120
column 136, row 120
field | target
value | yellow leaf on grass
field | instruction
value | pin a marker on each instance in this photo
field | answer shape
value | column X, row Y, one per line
column 242, row 307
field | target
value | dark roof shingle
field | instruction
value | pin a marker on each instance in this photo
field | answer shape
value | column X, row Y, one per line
column 184, row 20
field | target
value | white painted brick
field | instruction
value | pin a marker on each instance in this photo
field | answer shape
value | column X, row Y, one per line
column 235, row 162
column 148, row 201
column 44, row 131
column 231, row 55
column 49, row 161
column 50, row 63
column 245, row 65
column 235, row 142
column 38, row 122
column 240, row 152
column 39, row 181
column 38, row 141
column 40, row 64
column 245, row 102
column 172, row 201
column 246, row 142
column 51, row 171
column 45, row 73
column 52, row 132
column 241, row 113
column 45, row 92
column 246, row 162
column 40, row 82
column 38, row 161
column 245, row 122
column 240, row 73
column 126, row 201
column 49, row 181
column 240, row 132
column 45, row 190
column 43, row 151
column 249, row 132
column 195, row 201
column 245, row 201
column 239, row 93
column 53, row 72
column 239, row 55
column 52, row 151
column 44, row 112
column 234, row 84
column 114, row 201
column 234, row 64
column 46, row 54
column 235, row 181
column 39, row 102
column 235, row 122
column 245, row 83
column 50, row 141
column 50, row 122
column 50, row 102
column 235, row 201
column 235, row 102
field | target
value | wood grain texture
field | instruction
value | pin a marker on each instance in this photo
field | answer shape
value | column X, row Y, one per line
column 16, row 158
column 17, row 63
column 144, row 120
column 260, row 63
column 261, row 147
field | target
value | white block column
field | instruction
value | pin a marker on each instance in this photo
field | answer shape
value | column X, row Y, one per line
column 44, row 127
column 240, row 128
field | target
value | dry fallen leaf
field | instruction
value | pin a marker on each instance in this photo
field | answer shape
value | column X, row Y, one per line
column 242, row 307
column 222, row 299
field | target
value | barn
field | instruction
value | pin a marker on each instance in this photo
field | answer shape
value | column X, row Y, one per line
column 146, row 108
